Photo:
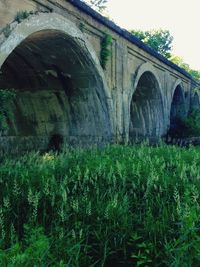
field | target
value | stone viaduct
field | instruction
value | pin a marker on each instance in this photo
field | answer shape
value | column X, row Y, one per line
column 52, row 59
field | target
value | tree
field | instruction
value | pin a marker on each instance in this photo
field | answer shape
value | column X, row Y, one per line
column 98, row 5
column 160, row 40
column 180, row 62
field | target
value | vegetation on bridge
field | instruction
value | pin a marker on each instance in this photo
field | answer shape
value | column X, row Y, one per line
column 106, row 49
column 160, row 40
column 99, row 5
column 117, row 206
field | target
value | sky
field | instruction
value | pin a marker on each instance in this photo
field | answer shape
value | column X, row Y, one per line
column 180, row 17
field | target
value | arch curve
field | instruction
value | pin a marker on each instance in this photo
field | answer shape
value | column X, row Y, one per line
column 60, row 84
column 177, row 83
column 145, row 67
column 146, row 105
column 178, row 110
column 43, row 21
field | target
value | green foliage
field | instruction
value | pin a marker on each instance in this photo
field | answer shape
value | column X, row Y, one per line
column 142, row 250
column 82, row 26
column 31, row 251
column 98, row 5
column 185, row 251
column 188, row 127
column 7, row 31
column 114, row 206
column 180, row 62
column 192, row 122
column 21, row 15
column 6, row 97
column 105, row 49
column 195, row 74
column 160, row 40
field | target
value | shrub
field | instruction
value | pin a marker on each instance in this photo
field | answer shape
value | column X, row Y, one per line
column 188, row 127
column 193, row 122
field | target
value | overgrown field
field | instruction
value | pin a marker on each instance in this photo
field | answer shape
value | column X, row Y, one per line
column 116, row 206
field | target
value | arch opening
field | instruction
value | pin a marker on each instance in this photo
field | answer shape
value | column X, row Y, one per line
column 177, row 113
column 59, row 92
column 146, row 110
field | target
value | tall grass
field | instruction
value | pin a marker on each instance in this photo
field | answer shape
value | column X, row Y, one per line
column 117, row 206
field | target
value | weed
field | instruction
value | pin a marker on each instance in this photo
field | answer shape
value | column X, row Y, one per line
column 21, row 15
column 7, row 31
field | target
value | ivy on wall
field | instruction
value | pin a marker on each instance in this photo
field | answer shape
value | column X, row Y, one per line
column 105, row 49
column 82, row 26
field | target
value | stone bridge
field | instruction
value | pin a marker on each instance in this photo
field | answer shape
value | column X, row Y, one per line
column 51, row 56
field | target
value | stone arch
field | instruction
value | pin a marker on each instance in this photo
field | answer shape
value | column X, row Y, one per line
column 177, row 83
column 177, row 110
column 146, row 105
column 145, row 67
column 61, row 89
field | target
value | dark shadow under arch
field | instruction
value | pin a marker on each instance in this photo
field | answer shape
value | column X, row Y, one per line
column 59, row 91
column 146, row 110
column 177, row 113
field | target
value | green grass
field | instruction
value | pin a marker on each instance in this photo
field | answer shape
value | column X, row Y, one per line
column 116, row 206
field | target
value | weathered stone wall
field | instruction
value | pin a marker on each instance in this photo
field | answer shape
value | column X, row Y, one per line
column 53, row 61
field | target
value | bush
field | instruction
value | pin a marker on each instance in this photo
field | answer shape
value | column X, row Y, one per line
column 188, row 127
column 117, row 206
column 193, row 122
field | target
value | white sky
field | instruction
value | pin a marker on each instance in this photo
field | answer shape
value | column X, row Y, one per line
column 180, row 17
